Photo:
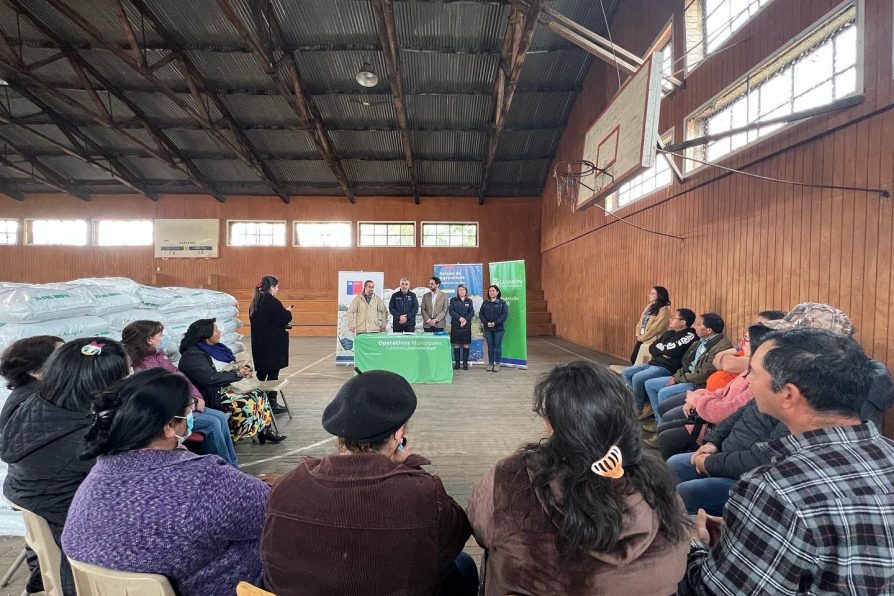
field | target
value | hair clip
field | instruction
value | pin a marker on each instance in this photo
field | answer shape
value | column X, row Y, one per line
column 610, row 465
column 258, row 287
column 92, row 349
column 104, row 415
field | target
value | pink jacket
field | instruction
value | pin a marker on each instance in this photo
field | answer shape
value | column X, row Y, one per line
column 715, row 406
column 159, row 360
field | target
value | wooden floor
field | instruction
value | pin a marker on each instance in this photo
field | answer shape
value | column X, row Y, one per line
column 463, row 428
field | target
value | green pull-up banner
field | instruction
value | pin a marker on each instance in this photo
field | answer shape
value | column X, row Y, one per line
column 510, row 277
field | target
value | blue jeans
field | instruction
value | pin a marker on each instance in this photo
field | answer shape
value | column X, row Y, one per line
column 658, row 390
column 494, row 344
column 699, row 492
column 213, row 424
column 462, row 577
column 636, row 377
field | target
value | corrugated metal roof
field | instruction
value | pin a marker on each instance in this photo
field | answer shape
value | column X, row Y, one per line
column 231, row 170
column 73, row 168
column 558, row 69
column 539, row 110
column 9, row 23
column 117, row 109
column 164, row 111
column 525, row 173
column 450, row 111
column 301, row 171
column 112, row 141
column 232, row 70
column 449, row 172
column 259, row 109
column 362, row 172
column 283, row 142
column 114, row 70
column 384, row 144
column 349, row 111
column 149, row 167
column 196, row 19
column 464, row 26
column 326, row 22
column 449, row 144
column 428, row 72
column 197, row 140
column 518, row 144
column 25, row 140
column 54, row 73
column 336, row 71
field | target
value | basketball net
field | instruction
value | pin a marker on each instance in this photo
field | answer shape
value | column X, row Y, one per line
column 568, row 176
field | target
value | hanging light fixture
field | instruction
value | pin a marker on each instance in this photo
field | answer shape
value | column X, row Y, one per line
column 366, row 77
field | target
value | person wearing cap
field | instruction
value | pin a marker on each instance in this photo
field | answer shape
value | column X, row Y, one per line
column 367, row 519
column 583, row 511
column 367, row 312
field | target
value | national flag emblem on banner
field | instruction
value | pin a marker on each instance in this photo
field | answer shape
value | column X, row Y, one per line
column 355, row 287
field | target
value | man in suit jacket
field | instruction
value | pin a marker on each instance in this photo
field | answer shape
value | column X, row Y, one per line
column 434, row 307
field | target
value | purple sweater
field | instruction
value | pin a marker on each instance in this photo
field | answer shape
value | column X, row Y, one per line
column 160, row 360
column 192, row 518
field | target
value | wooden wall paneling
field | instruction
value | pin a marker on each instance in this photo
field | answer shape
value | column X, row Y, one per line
column 885, row 247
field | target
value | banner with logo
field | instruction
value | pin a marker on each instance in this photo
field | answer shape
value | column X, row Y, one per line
column 350, row 284
column 473, row 278
column 510, row 277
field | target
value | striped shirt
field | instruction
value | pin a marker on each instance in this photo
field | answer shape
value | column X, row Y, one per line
column 818, row 520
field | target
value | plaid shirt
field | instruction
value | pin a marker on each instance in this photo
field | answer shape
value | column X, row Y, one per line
column 818, row 520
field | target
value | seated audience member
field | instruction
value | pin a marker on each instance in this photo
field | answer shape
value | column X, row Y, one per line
column 823, row 316
column 20, row 365
column 40, row 438
column 369, row 519
column 583, row 511
column 211, row 366
column 733, row 362
column 702, row 409
column 151, row 506
column 818, row 519
column 667, row 356
column 142, row 340
column 697, row 363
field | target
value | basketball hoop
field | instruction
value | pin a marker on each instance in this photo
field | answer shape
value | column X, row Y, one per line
column 568, row 176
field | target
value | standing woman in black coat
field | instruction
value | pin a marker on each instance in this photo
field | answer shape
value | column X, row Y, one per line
column 269, row 334
column 461, row 313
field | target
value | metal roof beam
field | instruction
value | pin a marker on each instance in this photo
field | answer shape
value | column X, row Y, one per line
column 512, row 57
column 383, row 10
column 242, row 145
column 290, row 86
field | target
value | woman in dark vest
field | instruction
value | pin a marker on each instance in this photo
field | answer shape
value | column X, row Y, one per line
column 582, row 511
column 270, row 321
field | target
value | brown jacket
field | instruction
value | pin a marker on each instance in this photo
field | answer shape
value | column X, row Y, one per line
column 367, row 317
column 522, row 545
column 437, row 311
column 705, row 365
column 656, row 325
column 360, row 524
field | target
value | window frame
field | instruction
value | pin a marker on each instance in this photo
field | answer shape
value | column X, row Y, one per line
column 704, row 55
column 28, row 231
column 665, row 38
column 285, row 243
column 422, row 225
column 19, row 231
column 388, row 222
column 94, row 230
column 612, row 206
column 305, row 221
column 761, row 69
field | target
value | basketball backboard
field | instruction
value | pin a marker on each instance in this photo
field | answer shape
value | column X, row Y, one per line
column 621, row 143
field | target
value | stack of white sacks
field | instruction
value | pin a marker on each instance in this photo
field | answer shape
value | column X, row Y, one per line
column 420, row 292
column 104, row 306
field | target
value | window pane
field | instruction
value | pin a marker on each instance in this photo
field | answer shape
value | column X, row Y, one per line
column 257, row 233
column 322, row 234
column 111, row 232
column 70, row 232
column 9, row 231
column 451, row 234
column 646, row 182
column 846, row 48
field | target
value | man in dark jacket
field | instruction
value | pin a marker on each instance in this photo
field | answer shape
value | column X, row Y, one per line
column 403, row 306
column 667, row 354
column 335, row 525
column 697, row 364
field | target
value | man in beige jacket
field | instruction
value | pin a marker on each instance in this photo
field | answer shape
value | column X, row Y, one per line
column 367, row 313
column 434, row 307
